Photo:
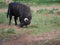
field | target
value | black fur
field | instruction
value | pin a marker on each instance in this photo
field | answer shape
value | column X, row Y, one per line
column 19, row 10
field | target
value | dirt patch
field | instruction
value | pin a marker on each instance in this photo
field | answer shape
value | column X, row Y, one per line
column 6, row 26
column 45, row 39
column 3, row 10
column 45, row 7
column 26, row 38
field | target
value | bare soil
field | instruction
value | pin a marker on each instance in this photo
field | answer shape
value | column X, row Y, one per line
column 47, row 38
column 44, row 7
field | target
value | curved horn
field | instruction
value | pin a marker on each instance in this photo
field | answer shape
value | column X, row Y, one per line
column 26, row 19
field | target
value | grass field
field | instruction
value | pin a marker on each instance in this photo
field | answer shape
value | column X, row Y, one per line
column 45, row 18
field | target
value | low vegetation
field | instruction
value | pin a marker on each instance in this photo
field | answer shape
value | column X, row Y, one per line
column 49, row 11
column 3, row 18
column 6, row 33
column 43, row 20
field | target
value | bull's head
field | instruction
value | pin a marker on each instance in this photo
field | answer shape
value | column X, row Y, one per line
column 25, row 22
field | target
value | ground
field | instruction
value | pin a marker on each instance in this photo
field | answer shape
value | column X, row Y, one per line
column 27, row 39
column 47, row 38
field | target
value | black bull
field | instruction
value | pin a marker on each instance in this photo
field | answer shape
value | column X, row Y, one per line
column 19, row 10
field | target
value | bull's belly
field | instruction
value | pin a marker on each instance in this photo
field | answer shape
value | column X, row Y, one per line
column 16, row 15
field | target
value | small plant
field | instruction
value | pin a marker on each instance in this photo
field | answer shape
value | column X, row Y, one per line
column 58, row 12
column 3, row 33
column 40, row 11
column 51, row 11
column 11, row 31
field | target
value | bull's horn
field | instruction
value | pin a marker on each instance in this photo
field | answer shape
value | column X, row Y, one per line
column 26, row 19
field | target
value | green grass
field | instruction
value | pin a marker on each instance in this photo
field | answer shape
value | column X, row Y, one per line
column 6, row 33
column 51, row 11
column 11, row 31
column 0, row 0
column 3, row 18
column 40, row 22
column 33, row 2
column 43, row 23
column 2, row 5
column 39, row 2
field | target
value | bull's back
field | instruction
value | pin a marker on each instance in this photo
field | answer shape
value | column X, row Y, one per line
column 17, row 9
column 14, row 9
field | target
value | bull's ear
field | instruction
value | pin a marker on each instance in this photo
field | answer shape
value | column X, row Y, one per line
column 26, row 19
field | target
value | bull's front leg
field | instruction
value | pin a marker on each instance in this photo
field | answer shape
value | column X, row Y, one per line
column 15, row 19
column 21, row 24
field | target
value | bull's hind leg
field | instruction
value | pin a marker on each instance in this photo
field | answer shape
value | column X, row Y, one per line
column 15, row 18
column 10, row 20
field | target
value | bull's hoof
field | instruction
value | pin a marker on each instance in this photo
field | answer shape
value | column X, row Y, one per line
column 21, row 26
column 15, row 24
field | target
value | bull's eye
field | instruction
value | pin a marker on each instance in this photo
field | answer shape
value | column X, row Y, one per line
column 26, row 19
